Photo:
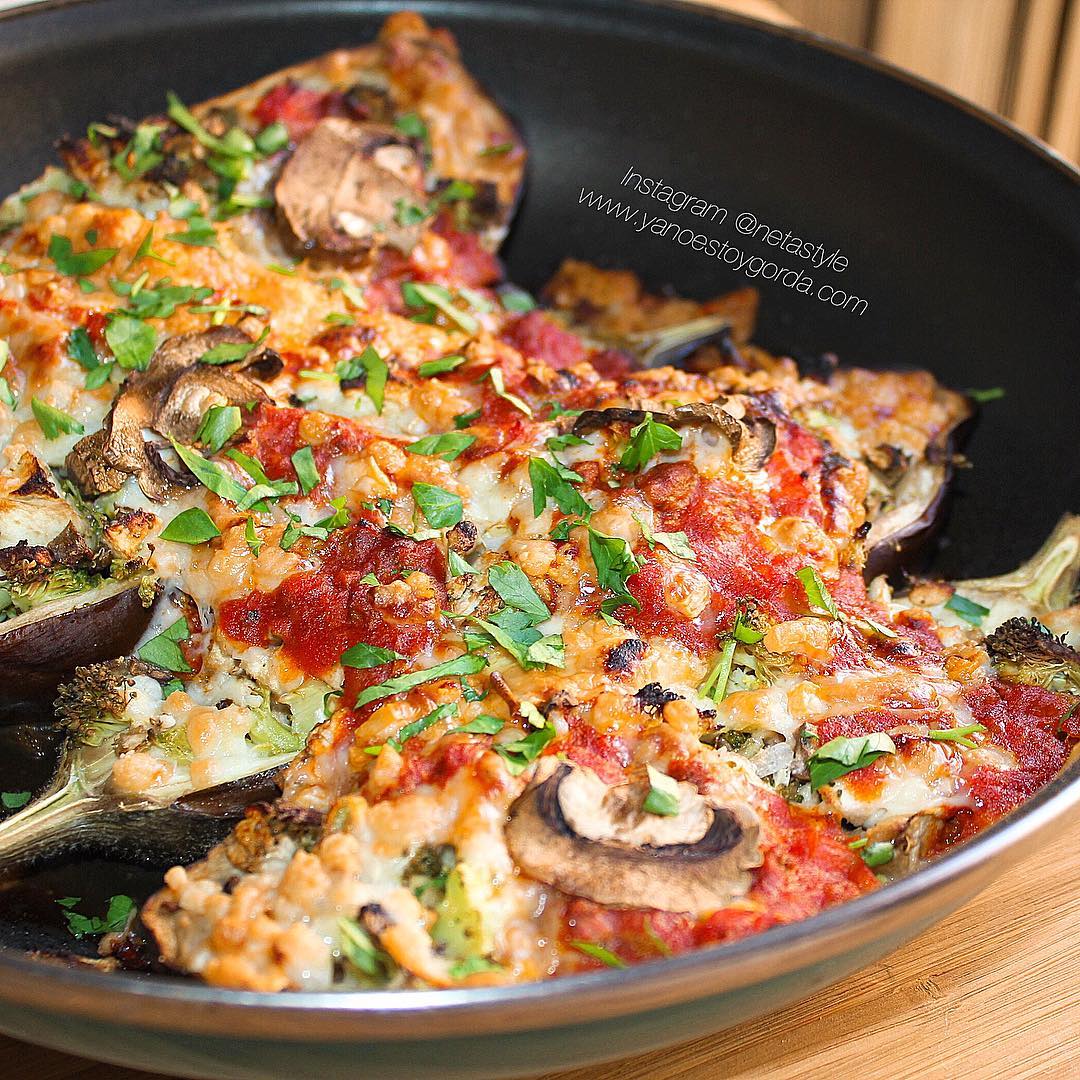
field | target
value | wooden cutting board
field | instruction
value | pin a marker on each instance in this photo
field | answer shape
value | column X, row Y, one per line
column 992, row 992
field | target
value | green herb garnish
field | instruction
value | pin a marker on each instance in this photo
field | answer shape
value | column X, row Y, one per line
column 219, row 425
column 54, row 422
column 647, row 440
column 164, row 650
column 192, row 526
column 77, row 264
column 441, row 509
column 968, row 610
column 821, row 603
column 663, row 796
column 447, row 446
column 466, row 664
column 842, row 755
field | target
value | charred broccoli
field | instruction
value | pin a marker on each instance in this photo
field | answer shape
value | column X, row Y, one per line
column 1023, row 650
column 93, row 703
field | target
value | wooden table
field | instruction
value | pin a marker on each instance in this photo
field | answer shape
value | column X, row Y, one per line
column 992, row 992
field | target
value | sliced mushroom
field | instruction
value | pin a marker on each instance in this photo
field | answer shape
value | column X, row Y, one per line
column 571, row 830
column 171, row 397
column 752, row 438
column 345, row 187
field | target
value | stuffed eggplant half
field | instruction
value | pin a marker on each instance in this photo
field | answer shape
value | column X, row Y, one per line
column 464, row 638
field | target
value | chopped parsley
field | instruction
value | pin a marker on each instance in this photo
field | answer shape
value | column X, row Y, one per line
column 13, row 800
column 598, row 952
column 678, row 543
column 447, row 446
column 466, row 419
column 412, row 126
column 961, row 735
column 516, row 591
column 54, row 422
column 843, row 755
column 614, row 562
column 481, row 725
column 132, row 341
column 164, row 650
column 466, row 664
column 817, row 596
column 228, row 352
column 442, row 509
column 441, row 365
column 663, row 796
column 219, row 425
column 116, row 917
column 417, row 726
column 520, row 753
column 77, row 264
column 556, row 482
column 499, row 383
column 361, row 655
column 514, row 299
column 210, row 474
column 307, row 472
column 968, row 610
column 192, row 526
column 648, row 439
column 458, row 566
column 431, row 298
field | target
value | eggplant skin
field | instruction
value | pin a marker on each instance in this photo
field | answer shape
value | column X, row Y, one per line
column 902, row 549
column 41, row 649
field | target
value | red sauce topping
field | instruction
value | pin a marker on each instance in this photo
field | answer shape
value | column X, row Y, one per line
column 273, row 436
column 1035, row 725
column 607, row 755
column 424, row 763
column 298, row 107
column 794, row 469
column 318, row 614
column 807, row 867
column 538, row 337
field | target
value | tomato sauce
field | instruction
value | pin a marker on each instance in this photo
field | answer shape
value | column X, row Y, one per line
column 607, row 755
column 1038, row 726
column 538, row 337
column 273, row 436
column 807, row 867
column 435, row 766
column 794, row 469
column 300, row 108
column 318, row 614
column 499, row 426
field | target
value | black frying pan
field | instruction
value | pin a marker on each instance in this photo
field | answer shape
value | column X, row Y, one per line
column 962, row 238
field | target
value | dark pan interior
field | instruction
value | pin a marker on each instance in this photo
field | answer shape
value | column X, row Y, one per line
column 964, row 243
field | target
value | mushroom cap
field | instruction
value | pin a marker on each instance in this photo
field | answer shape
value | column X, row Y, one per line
column 571, row 830
column 171, row 397
column 752, row 436
column 343, row 186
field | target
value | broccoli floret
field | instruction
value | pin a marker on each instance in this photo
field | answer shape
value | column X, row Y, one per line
column 93, row 703
column 62, row 582
column 1023, row 650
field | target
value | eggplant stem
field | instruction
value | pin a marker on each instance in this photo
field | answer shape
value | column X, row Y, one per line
column 670, row 344
column 1047, row 580
column 45, row 822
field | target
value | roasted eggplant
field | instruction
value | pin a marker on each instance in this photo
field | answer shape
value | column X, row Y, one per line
column 41, row 648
